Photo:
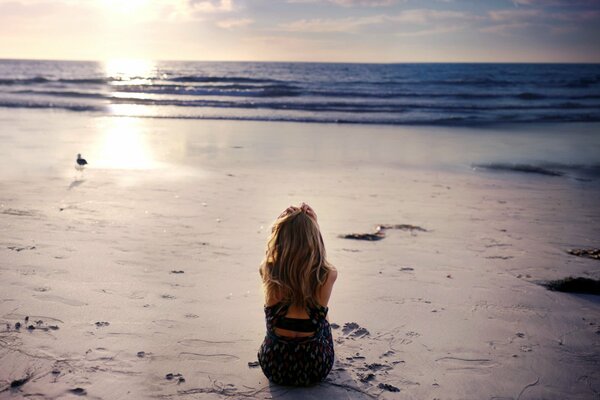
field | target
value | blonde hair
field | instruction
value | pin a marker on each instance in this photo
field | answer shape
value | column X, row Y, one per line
column 295, row 266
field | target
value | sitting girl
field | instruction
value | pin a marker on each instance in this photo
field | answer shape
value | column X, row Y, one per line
column 297, row 281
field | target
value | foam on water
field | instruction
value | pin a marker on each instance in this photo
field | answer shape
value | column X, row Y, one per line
column 435, row 94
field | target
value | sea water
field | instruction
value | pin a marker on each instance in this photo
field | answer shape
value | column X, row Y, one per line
column 429, row 94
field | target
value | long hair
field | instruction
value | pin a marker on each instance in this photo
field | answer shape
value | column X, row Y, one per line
column 295, row 266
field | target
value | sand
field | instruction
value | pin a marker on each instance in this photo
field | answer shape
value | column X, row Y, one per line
column 145, row 264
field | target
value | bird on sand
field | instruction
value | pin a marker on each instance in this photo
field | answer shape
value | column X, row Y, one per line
column 81, row 162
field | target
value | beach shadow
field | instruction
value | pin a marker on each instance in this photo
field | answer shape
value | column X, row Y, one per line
column 76, row 183
column 339, row 385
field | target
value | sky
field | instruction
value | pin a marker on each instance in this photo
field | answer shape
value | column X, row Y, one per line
column 303, row 30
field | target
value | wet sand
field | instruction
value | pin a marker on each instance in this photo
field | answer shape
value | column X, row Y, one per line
column 138, row 277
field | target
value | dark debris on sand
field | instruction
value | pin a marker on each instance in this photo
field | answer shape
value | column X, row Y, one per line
column 574, row 285
column 180, row 379
column 19, row 249
column 587, row 253
column 402, row 227
column 379, row 233
column 19, row 382
column 388, row 387
column 371, row 237
column 524, row 168
column 78, row 391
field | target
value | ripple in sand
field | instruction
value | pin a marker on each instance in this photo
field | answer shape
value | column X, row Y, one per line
column 167, row 323
column 201, row 342
column 224, row 357
column 481, row 365
column 19, row 249
column 19, row 213
column 59, row 299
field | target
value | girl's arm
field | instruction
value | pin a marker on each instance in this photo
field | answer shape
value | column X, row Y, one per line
column 327, row 288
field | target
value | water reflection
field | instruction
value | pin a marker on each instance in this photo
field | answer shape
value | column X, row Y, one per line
column 124, row 145
column 128, row 70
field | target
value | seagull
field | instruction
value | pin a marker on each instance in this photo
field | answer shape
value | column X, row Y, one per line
column 81, row 161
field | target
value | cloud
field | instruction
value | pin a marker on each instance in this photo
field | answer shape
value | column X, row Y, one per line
column 432, row 31
column 351, row 3
column 234, row 23
column 512, row 20
column 211, row 6
column 318, row 25
column 506, row 29
column 547, row 3
column 364, row 3
column 423, row 16
column 513, row 15
column 353, row 24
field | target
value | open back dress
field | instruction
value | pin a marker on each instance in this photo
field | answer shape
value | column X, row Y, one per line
column 296, row 361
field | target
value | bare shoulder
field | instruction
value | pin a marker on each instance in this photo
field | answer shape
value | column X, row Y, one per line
column 327, row 288
column 332, row 276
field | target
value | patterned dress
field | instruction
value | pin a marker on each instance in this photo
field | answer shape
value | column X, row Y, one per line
column 299, row 361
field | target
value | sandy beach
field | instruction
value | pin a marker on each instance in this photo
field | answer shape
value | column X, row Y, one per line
column 145, row 264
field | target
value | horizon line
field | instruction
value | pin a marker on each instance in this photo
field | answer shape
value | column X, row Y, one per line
column 301, row 62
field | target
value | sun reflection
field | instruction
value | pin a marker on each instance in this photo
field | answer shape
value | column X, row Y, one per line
column 130, row 69
column 123, row 145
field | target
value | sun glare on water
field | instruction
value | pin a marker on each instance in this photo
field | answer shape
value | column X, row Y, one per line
column 123, row 145
column 129, row 69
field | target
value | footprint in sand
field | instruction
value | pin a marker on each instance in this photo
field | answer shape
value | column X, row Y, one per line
column 366, row 376
column 354, row 330
column 175, row 377
column 78, row 391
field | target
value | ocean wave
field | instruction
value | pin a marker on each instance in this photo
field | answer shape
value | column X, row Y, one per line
column 530, row 96
column 342, row 117
column 213, row 79
column 50, row 105
column 42, row 80
column 63, row 93
column 269, row 90
column 548, row 111
column 354, row 93
column 355, row 107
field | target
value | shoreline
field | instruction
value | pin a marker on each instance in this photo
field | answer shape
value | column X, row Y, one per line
column 442, row 123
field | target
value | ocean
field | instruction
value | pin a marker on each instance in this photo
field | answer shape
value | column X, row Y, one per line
column 393, row 94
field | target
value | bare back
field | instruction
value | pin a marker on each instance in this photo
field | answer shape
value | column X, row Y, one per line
column 295, row 312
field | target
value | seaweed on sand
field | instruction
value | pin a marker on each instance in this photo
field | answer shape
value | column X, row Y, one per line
column 574, row 285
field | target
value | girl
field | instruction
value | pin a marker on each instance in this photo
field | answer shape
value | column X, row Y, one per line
column 297, row 281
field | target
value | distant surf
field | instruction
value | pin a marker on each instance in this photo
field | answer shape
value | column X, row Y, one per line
column 434, row 94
